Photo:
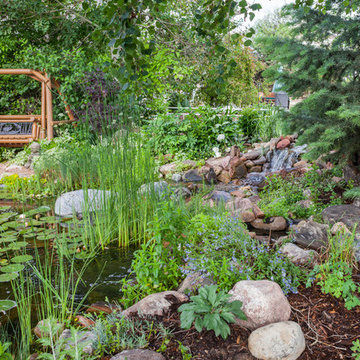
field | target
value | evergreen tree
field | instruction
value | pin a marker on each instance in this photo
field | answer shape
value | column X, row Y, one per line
column 320, row 59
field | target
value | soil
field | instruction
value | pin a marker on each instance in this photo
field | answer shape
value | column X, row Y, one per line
column 329, row 330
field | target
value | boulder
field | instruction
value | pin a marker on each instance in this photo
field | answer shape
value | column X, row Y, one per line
column 159, row 188
column 263, row 303
column 277, row 223
column 311, row 234
column 210, row 177
column 156, row 304
column 74, row 202
column 181, row 192
column 298, row 255
column 224, row 177
column 176, row 177
column 280, row 341
column 300, row 164
column 168, row 168
column 282, row 144
column 138, row 354
column 43, row 327
column 218, row 196
column 192, row 176
column 252, row 155
column 256, row 179
column 249, row 164
column 102, row 307
column 222, row 162
column 86, row 341
column 193, row 282
column 260, row 161
column 240, row 171
column 347, row 214
column 340, row 228
column 255, row 169
column 238, row 193
column 189, row 164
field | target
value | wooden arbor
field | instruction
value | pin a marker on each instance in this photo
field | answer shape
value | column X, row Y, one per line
column 19, row 130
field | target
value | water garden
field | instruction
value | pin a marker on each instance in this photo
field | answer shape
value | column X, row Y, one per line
column 178, row 217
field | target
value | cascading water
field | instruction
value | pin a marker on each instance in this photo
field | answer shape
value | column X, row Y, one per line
column 283, row 159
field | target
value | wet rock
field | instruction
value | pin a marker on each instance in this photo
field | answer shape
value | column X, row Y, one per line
column 260, row 161
column 138, row 354
column 347, row 214
column 311, row 234
column 168, row 168
column 282, row 144
column 193, row 282
column 256, row 179
column 156, row 304
column 252, row 155
column 281, row 341
column 298, row 255
column 277, row 223
column 255, row 169
column 176, row 178
column 192, row 176
column 263, row 303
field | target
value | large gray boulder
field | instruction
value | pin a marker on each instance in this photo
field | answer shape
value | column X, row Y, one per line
column 347, row 214
column 263, row 303
column 279, row 341
column 138, row 354
column 76, row 201
column 311, row 234
column 156, row 304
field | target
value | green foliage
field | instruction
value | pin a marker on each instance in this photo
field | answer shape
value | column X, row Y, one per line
column 356, row 349
column 352, row 193
column 4, row 355
column 212, row 311
column 280, row 196
column 324, row 71
column 334, row 274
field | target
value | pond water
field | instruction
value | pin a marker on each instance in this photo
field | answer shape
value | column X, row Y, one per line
column 102, row 276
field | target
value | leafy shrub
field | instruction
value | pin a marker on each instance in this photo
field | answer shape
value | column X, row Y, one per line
column 223, row 251
column 280, row 196
column 212, row 311
column 334, row 273
column 356, row 349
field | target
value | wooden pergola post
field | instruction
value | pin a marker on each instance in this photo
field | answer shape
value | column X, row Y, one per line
column 49, row 112
column 43, row 111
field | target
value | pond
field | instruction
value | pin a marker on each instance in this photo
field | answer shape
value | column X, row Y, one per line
column 28, row 228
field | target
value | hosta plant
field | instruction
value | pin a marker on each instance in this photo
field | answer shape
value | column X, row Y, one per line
column 212, row 310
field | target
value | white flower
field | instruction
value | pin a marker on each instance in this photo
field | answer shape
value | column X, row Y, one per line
column 216, row 151
column 220, row 137
column 227, row 149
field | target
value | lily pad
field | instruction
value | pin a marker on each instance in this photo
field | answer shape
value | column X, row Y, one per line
column 39, row 210
column 8, row 239
column 17, row 245
column 12, row 268
column 9, row 233
column 8, row 277
column 50, row 219
column 5, row 208
column 6, row 305
column 21, row 259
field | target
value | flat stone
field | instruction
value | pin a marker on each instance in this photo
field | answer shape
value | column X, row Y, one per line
column 240, row 171
column 176, row 177
column 102, row 307
column 192, row 176
column 252, row 155
column 218, row 196
column 263, row 303
column 340, row 228
column 299, row 256
column 347, row 214
column 255, row 169
column 168, row 168
column 279, row 341
column 156, row 304
column 311, row 234
column 222, row 162
column 224, row 177
column 138, row 354
column 238, row 193
column 277, row 223
column 282, row 144
column 260, row 161
column 256, row 179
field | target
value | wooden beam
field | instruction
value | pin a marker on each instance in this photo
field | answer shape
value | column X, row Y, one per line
column 49, row 113
column 43, row 111
column 19, row 117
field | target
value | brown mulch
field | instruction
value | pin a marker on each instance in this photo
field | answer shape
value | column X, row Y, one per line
column 329, row 330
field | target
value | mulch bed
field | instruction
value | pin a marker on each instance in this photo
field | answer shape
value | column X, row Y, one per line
column 329, row 330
